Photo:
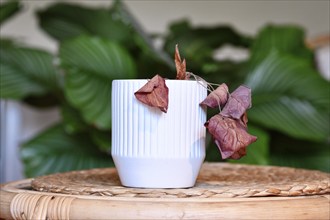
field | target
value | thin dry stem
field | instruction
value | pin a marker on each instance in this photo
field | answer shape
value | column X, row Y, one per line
column 209, row 86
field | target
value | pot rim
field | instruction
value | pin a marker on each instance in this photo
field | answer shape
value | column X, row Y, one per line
column 167, row 80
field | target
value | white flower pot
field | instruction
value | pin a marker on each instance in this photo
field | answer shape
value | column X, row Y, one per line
column 152, row 149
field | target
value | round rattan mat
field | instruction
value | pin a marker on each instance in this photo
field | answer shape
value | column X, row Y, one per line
column 215, row 180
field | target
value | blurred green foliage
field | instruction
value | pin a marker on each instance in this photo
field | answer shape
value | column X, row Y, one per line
column 290, row 113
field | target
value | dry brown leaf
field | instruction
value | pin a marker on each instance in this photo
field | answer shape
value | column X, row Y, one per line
column 180, row 65
column 217, row 98
column 238, row 102
column 154, row 93
column 230, row 136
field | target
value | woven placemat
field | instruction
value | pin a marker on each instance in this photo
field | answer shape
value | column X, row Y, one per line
column 215, row 180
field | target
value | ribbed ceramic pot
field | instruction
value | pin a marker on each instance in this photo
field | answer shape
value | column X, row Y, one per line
column 152, row 149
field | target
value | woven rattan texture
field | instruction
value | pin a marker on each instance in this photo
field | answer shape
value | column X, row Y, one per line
column 215, row 180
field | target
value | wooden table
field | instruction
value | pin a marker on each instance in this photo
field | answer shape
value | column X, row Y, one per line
column 215, row 196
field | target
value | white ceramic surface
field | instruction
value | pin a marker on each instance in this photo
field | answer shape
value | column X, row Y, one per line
column 153, row 149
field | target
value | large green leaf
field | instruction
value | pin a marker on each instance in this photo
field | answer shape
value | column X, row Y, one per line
column 290, row 96
column 198, row 44
column 8, row 9
column 55, row 151
column 282, row 38
column 287, row 151
column 183, row 33
column 72, row 120
column 73, row 123
column 316, row 161
column 64, row 21
column 143, row 47
column 26, row 71
column 91, row 64
column 102, row 139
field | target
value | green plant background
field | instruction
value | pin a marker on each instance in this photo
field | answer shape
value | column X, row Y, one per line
column 290, row 113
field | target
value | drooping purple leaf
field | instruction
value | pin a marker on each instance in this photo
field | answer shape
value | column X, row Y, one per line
column 154, row 93
column 238, row 102
column 217, row 98
column 230, row 136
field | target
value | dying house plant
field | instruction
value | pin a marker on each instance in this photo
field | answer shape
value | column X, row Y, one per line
column 159, row 125
column 158, row 146
column 96, row 46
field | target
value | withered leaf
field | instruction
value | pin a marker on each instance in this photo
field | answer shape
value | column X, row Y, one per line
column 238, row 102
column 244, row 119
column 230, row 136
column 154, row 93
column 217, row 97
column 180, row 65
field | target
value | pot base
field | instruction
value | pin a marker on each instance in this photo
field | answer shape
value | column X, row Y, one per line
column 158, row 172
